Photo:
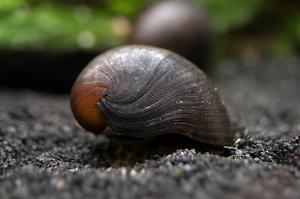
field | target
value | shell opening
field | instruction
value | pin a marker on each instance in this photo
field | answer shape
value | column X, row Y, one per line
column 84, row 100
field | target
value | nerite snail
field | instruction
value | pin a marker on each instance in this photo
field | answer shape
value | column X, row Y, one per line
column 141, row 92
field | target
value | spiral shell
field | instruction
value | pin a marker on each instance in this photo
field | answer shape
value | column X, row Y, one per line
column 141, row 91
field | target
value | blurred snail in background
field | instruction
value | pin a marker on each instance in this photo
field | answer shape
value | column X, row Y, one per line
column 177, row 25
column 142, row 92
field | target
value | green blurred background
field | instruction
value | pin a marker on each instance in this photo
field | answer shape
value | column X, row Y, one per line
column 45, row 44
column 267, row 26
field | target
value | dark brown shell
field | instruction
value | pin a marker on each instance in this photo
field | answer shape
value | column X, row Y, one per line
column 143, row 91
column 177, row 25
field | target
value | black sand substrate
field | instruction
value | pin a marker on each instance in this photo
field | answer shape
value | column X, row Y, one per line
column 45, row 154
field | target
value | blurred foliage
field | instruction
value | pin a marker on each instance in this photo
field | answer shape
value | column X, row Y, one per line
column 85, row 24
column 53, row 26
column 228, row 14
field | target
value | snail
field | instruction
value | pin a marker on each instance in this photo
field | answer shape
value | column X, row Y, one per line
column 143, row 91
column 177, row 25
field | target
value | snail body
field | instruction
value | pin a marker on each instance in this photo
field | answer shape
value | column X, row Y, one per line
column 141, row 92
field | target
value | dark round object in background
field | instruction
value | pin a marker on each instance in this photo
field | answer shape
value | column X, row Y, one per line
column 176, row 25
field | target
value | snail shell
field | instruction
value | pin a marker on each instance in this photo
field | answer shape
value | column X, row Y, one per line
column 177, row 25
column 142, row 91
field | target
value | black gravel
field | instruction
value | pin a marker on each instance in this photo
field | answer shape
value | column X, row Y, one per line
column 45, row 154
